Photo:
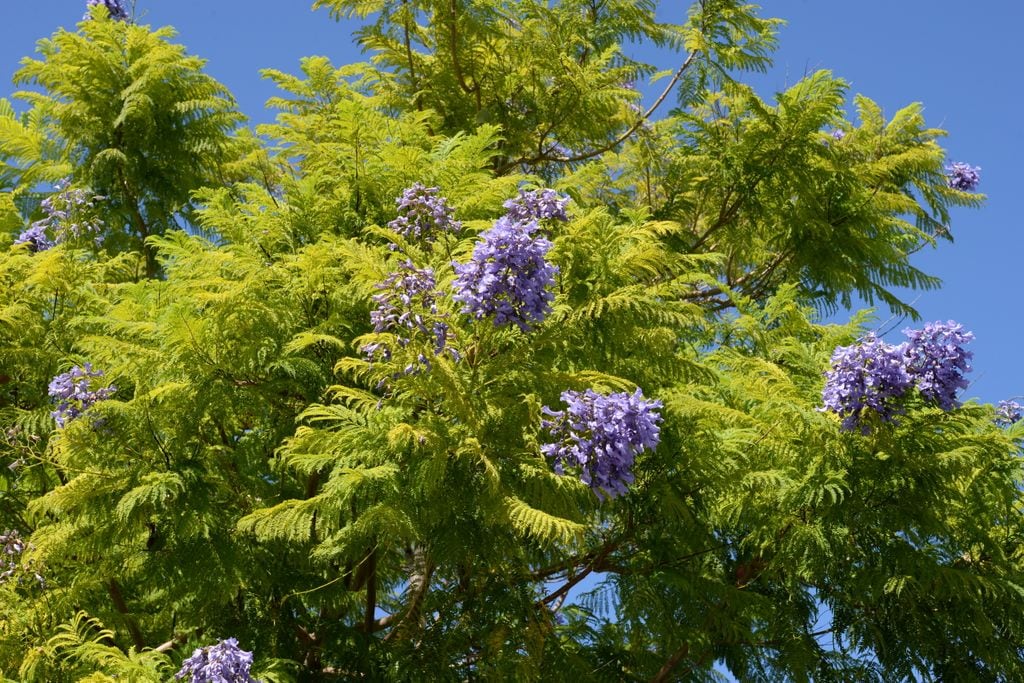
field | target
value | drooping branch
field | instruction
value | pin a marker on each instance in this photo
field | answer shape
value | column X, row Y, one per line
column 114, row 588
column 590, row 154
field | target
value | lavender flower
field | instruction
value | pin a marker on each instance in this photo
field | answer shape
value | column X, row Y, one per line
column 874, row 374
column 71, row 214
column 936, row 360
column 407, row 304
column 1008, row 413
column 868, row 375
column 224, row 662
column 838, row 134
column 537, row 204
column 961, row 176
column 602, row 435
column 423, row 214
column 115, row 9
column 11, row 547
column 35, row 237
column 73, row 393
column 507, row 275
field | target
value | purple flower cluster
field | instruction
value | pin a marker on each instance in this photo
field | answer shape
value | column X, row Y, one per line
column 539, row 204
column 224, row 662
column 872, row 375
column 1008, row 413
column 507, row 275
column 961, row 176
column 407, row 304
column 838, row 134
column 35, row 237
column 70, row 214
column 601, row 435
column 11, row 547
column 865, row 375
column 114, row 7
column 423, row 214
column 73, row 393
column 936, row 359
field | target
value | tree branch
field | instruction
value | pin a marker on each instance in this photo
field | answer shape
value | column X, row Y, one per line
column 671, row 664
column 453, row 34
column 591, row 566
column 421, row 569
column 371, row 593
column 122, row 607
column 583, row 156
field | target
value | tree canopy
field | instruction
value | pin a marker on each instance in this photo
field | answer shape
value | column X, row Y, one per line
column 370, row 392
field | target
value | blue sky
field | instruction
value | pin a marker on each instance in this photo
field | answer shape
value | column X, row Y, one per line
column 957, row 58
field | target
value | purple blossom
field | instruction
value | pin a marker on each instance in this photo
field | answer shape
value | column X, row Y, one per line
column 35, row 237
column 73, row 392
column 115, row 9
column 961, row 176
column 867, row 375
column 224, row 662
column 601, row 435
column 537, row 204
column 873, row 375
column 406, row 305
column 507, row 275
column 838, row 134
column 936, row 360
column 1009, row 413
column 423, row 214
column 11, row 547
column 71, row 213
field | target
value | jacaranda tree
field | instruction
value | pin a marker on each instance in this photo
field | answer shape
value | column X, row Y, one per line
column 373, row 392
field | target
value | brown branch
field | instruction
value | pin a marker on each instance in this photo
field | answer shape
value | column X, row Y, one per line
column 759, row 277
column 672, row 662
column 371, row 593
column 171, row 644
column 583, row 156
column 140, row 225
column 565, row 565
column 591, row 566
column 640, row 121
column 408, row 50
column 761, row 281
column 725, row 214
column 122, row 607
column 650, row 569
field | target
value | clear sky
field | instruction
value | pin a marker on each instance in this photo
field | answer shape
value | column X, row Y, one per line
column 960, row 59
